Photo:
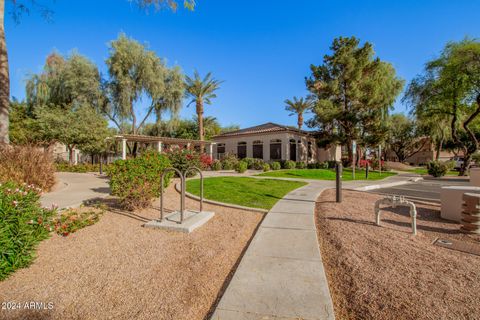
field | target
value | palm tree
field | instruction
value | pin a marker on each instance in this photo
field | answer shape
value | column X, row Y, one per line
column 298, row 107
column 201, row 91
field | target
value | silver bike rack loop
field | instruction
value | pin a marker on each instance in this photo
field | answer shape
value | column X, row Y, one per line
column 182, row 196
column 201, row 184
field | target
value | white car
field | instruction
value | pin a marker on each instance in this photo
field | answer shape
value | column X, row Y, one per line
column 458, row 162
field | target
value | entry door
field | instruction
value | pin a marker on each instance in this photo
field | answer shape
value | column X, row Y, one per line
column 293, row 151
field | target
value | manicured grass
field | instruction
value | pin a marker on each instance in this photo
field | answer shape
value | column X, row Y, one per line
column 326, row 174
column 249, row 192
column 424, row 171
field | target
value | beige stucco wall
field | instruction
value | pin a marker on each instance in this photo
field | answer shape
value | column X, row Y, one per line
column 318, row 154
column 332, row 153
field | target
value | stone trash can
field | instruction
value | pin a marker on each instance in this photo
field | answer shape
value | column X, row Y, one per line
column 451, row 201
column 471, row 213
column 475, row 177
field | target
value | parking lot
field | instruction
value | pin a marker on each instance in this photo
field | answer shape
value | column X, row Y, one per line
column 425, row 190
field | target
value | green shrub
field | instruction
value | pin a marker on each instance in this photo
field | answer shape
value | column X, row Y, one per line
column 23, row 225
column 27, row 164
column 182, row 159
column 450, row 164
column 80, row 168
column 301, row 165
column 229, row 161
column 289, row 164
column 437, row 168
column 276, row 165
column 266, row 167
column 256, row 164
column 331, row 164
column 216, row 165
column 241, row 167
column 137, row 181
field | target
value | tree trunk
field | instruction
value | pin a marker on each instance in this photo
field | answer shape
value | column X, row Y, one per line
column 300, row 121
column 199, row 105
column 71, row 155
column 4, row 80
column 439, row 147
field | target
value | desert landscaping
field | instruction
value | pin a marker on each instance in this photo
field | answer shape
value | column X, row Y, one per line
column 384, row 272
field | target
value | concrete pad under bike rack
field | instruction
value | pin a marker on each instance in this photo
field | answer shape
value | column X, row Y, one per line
column 181, row 220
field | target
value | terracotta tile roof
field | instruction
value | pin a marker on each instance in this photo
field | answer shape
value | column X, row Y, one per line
column 263, row 128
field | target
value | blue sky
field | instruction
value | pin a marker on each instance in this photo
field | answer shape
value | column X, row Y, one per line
column 261, row 49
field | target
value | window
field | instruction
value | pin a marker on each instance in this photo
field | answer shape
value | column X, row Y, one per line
column 310, row 151
column 276, row 149
column 242, row 150
column 220, row 150
column 293, row 150
column 257, row 149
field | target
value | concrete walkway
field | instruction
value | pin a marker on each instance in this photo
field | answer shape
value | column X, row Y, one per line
column 281, row 275
column 73, row 189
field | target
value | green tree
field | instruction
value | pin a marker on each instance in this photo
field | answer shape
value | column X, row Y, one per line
column 298, row 107
column 81, row 128
column 67, row 82
column 450, row 87
column 201, row 91
column 405, row 137
column 137, row 73
column 354, row 91
column 20, row 7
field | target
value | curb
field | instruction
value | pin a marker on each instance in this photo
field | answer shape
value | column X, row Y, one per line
column 223, row 204
column 387, row 185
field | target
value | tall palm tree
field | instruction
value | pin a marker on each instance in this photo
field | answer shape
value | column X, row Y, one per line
column 201, row 91
column 298, row 107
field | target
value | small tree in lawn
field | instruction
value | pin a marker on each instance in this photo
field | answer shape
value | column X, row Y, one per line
column 298, row 107
column 201, row 91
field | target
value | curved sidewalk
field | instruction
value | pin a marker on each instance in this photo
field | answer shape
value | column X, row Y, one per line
column 281, row 275
column 75, row 188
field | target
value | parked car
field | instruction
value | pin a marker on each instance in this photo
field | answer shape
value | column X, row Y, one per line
column 458, row 162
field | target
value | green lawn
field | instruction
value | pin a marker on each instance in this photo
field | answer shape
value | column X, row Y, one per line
column 424, row 171
column 325, row 174
column 249, row 192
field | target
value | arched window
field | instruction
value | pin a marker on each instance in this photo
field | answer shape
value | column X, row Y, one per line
column 242, row 150
column 257, row 149
column 275, row 149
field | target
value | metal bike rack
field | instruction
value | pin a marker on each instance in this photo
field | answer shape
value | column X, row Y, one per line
column 182, row 189
column 182, row 195
column 201, row 184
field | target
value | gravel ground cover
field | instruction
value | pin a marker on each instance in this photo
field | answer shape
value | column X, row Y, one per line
column 116, row 269
column 387, row 273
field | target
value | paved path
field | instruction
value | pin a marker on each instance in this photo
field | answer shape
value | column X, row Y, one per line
column 74, row 188
column 281, row 275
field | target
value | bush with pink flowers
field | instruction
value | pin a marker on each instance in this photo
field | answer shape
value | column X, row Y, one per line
column 23, row 225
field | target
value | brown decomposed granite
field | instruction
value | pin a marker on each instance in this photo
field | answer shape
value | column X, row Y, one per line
column 117, row 269
column 384, row 272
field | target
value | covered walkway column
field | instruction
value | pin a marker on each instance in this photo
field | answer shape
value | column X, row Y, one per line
column 159, row 146
column 210, row 150
column 124, row 149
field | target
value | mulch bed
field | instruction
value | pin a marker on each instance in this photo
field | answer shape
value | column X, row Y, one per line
column 117, row 269
column 387, row 273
